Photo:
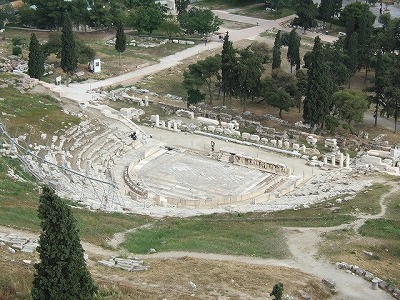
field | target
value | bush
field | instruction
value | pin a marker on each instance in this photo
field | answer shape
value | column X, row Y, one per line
column 85, row 53
column 331, row 124
column 16, row 50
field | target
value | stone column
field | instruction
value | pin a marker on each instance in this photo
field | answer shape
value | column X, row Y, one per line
column 325, row 160
column 333, row 160
column 341, row 159
column 175, row 126
column 347, row 160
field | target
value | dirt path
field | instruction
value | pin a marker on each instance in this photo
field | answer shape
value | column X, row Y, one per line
column 119, row 237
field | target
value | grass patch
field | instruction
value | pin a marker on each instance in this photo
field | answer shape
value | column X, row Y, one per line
column 366, row 201
column 316, row 216
column 96, row 227
column 393, row 207
column 32, row 114
column 382, row 229
column 237, row 238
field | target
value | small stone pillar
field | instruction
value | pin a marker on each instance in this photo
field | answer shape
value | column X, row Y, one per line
column 146, row 101
column 157, row 120
column 341, row 159
column 325, row 160
column 347, row 160
column 375, row 283
column 175, row 124
column 333, row 160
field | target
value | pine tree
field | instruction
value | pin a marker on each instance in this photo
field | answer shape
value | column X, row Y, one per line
column 276, row 51
column 69, row 56
column 228, row 63
column 293, row 54
column 120, row 40
column 61, row 273
column 36, row 58
column 317, row 102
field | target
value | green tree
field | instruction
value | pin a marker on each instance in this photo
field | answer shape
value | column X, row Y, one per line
column 301, row 77
column 357, row 18
column 202, row 21
column 69, row 57
column 120, row 40
column 262, row 50
column 100, row 15
column 277, row 291
column 275, row 96
column 249, row 70
column 276, row 52
column 350, row 105
column 36, row 58
column 181, row 6
column 228, row 69
column 326, row 11
column 61, row 273
column 194, row 97
column 148, row 18
column 354, row 14
column 49, row 13
column 337, row 61
column 352, row 55
column 204, row 71
column 293, row 54
column 337, row 4
column 7, row 14
column 171, row 27
column 306, row 11
column 317, row 102
column 27, row 15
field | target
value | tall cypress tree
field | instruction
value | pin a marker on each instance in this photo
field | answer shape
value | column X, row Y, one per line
column 228, row 65
column 276, row 51
column 317, row 102
column 120, row 40
column 61, row 273
column 36, row 58
column 69, row 56
column 293, row 54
